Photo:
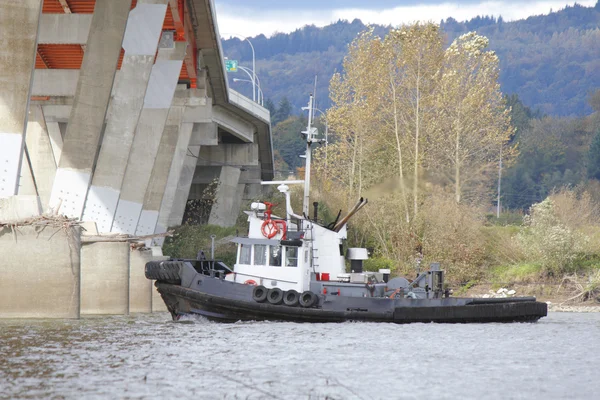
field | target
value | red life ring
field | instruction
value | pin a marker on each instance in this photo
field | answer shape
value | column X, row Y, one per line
column 250, row 282
column 269, row 229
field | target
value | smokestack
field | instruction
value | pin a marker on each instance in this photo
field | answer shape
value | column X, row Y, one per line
column 316, row 212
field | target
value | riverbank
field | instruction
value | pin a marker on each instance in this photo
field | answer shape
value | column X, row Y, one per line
column 555, row 295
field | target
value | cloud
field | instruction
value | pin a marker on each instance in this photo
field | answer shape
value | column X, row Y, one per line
column 250, row 22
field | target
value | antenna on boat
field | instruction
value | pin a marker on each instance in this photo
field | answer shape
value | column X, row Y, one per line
column 311, row 133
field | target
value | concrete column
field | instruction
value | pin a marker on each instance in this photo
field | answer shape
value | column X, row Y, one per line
column 140, row 43
column 39, row 272
column 141, row 289
column 105, row 278
column 88, row 113
column 168, row 201
column 56, row 140
column 157, row 102
column 228, row 199
column 19, row 22
column 40, row 155
column 183, row 186
column 160, row 173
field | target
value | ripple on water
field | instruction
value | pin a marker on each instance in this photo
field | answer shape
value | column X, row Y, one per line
column 150, row 356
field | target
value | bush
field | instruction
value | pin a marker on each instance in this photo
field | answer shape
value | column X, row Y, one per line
column 547, row 239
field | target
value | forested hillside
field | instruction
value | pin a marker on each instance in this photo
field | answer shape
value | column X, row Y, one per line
column 551, row 62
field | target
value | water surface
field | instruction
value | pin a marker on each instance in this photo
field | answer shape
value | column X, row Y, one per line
column 148, row 356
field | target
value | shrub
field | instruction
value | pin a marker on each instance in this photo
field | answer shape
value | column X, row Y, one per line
column 547, row 239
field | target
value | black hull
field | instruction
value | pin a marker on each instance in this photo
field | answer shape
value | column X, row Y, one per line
column 230, row 302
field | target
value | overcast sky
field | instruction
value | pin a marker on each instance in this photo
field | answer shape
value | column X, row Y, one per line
column 253, row 17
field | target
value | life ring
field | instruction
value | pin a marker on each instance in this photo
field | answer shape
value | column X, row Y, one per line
column 269, row 229
column 250, row 282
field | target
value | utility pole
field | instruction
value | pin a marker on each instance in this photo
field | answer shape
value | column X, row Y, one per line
column 499, row 184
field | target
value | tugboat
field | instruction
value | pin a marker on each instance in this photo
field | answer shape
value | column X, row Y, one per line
column 293, row 269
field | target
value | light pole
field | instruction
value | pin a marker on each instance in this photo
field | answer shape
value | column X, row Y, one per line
column 256, row 79
column 253, row 61
column 260, row 92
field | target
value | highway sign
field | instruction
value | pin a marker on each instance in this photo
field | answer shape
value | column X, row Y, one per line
column 231, row 65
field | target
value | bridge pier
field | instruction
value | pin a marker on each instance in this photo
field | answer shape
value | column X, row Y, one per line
column 19, row 21
column 159, row 96
column 140, row 44
column 105, row 278
column 92, row 95
column 117, row 143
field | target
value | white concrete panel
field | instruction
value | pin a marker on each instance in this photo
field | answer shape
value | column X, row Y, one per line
column 64, row 28
column 69, row 191
column 127, row 217
column 57, row 113
column 56, row 140
column 234, row 124
column 11, row 150
column 194, row 113
column 147, row 223
column 100, row 206
column 144, row 28
column 163, row 81
column 249, row 106
column 55, row 82
column 205, row 134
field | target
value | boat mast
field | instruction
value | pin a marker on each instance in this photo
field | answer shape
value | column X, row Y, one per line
column 310, row 132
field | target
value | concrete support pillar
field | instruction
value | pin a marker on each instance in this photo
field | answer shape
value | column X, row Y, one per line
column 88, row 113
column 140, row 43
column 19, row 21
column 161, row 88
column 141, row 296
column 105, row 278
column 168, row 201
column 160, row 173
column 183, row 186
column 228, row 199
column 40, row 156
column 43, row 283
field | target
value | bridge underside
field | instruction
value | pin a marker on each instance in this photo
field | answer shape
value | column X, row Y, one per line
column 118, row 112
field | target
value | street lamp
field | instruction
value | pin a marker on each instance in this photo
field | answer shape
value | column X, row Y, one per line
column 256, row 78
column 252, row 80
column 260, row 92
column 253, row 61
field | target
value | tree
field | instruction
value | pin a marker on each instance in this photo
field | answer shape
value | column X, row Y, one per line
column 269, row 105
column 473, row 124
column 593, row 170
column 284, row 110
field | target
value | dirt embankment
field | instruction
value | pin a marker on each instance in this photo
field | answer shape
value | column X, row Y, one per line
column 556, row 295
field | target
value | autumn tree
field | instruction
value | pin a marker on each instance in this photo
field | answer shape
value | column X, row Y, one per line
column 472, row 121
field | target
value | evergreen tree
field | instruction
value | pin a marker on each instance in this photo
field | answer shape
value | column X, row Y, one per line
column 283, row 111
column 269, row 105
column 594, row 158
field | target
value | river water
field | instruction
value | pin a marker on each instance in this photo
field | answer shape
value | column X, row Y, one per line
column 148, row 356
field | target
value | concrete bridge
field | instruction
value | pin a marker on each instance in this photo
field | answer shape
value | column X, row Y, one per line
column 117, row 112
column 111, row 110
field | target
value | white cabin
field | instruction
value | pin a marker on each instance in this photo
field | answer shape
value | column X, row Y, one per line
column 308, row 250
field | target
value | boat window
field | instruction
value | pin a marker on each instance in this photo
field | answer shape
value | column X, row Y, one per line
column 275, row 256
column 260, row 254
column 245, row 250
column 291, row 256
